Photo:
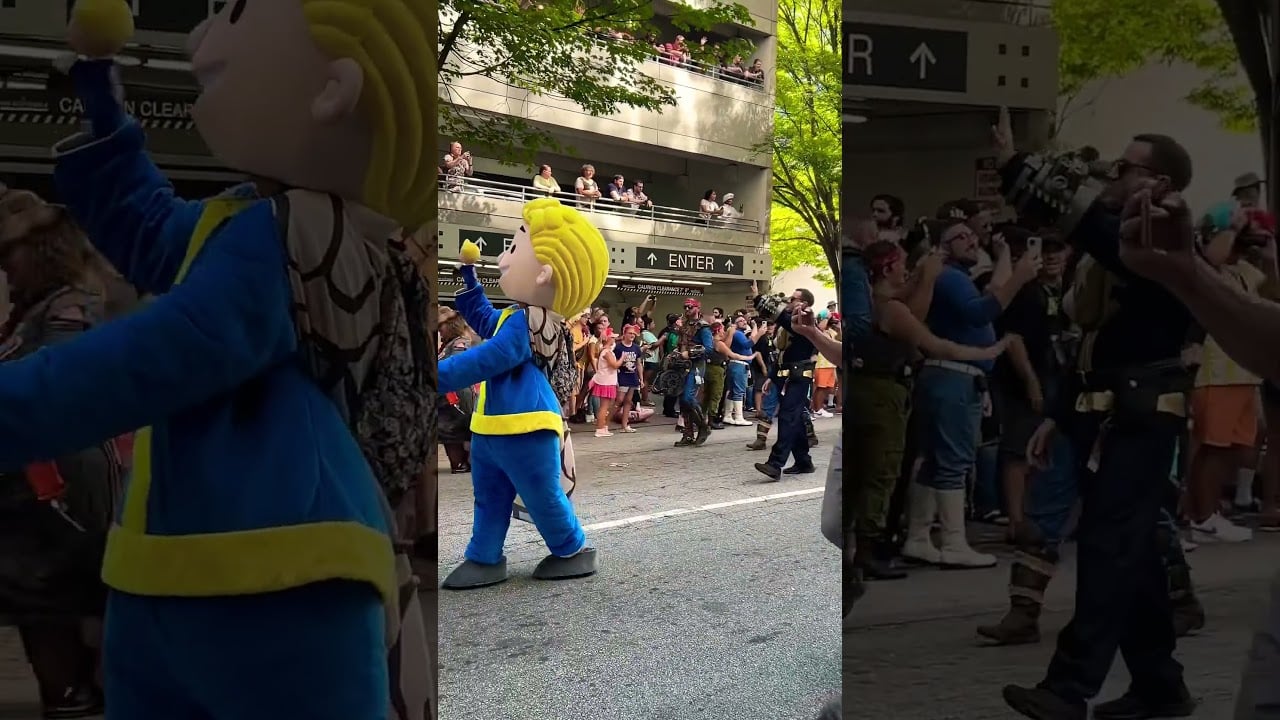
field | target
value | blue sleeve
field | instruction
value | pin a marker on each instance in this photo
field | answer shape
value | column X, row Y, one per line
column 505, row 351
column 127, row 207
column 954, row 289
column 480, row 314
column 225, row 324
column 708, row 342
column 856, row 294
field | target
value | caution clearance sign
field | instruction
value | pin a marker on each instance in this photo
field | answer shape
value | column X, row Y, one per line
column 170, row 112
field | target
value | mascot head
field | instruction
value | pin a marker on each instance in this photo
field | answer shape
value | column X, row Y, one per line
column 558, row 260
column 337, row 96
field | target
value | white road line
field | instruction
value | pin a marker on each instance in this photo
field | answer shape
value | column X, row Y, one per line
column 685, row 511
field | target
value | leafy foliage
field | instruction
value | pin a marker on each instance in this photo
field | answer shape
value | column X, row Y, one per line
column 553, row 48
column 791, row 245
column 1111, row 38
column 806, row 145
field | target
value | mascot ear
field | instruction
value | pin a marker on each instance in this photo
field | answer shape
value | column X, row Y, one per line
column 544, row 275
column 341, row 95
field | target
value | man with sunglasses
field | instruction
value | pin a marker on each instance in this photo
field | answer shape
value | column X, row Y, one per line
column 1124, row 411
column 791, row 381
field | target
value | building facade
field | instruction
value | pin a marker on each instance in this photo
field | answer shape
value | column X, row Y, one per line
column 38, row 107
column 923, row 83
column 708, row 141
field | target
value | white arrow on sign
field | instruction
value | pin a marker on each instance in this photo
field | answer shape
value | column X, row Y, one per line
column 652, row 258
column 924, row 57
column 729, row 264
column 479, row 242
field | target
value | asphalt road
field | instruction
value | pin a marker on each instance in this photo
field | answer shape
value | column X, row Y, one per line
column 911, row 653
column 729, row 612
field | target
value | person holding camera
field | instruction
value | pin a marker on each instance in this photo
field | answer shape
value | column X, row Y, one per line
column 457, row 167
column 1124, row 411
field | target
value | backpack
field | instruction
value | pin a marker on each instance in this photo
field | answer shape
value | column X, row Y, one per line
column 388, row 396
column 395, row 417
column 552, row 345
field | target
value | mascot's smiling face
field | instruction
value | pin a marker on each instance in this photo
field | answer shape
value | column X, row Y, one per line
column 273, row 104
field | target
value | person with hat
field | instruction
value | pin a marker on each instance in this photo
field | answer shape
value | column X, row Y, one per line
column 728, row 210
column 978, row 219
column 686, row 371
column 1247, row 190
column 1022, row 380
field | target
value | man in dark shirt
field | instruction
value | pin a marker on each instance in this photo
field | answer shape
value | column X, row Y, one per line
column 1031, row 371
column 1124, row 413
column 791, row 379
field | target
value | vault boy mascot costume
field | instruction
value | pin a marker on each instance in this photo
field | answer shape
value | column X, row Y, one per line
column 251, row 568
column 555, row 266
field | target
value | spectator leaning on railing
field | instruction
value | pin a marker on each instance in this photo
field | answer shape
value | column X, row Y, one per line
column 545, row 181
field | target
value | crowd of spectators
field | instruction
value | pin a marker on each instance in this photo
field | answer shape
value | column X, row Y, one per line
column 588, row 192
column 678, row 53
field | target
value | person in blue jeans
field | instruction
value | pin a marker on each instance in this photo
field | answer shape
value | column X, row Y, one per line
column 740, row 344
column 950, row 396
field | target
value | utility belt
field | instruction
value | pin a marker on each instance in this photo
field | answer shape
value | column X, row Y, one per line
column 717, row 362
column 797, row 370
column 1136, row 394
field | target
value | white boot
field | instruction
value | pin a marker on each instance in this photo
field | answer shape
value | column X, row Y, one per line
column 956, row 552
column 735, row 414
column 922, row 507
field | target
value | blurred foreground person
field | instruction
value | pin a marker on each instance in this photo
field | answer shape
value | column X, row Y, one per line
column 54, row 516
column 1158, row 244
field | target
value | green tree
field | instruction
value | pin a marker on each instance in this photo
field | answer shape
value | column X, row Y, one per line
column 1103, row 39
column 553, row 48
column 806, row 146
column 791, row 245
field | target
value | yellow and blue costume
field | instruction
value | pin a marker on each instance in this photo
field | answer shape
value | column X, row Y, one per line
column 518, row 423
column 251, row 565
column 248, row 482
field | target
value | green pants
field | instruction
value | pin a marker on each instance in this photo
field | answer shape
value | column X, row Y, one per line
column 713, row 390
column 876, row 408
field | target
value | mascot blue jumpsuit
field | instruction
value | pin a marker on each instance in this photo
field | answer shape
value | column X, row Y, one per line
column 554, row 266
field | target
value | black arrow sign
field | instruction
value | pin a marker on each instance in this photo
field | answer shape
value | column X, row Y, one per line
column 492, row 244
column 898, row 56
column 688, row 261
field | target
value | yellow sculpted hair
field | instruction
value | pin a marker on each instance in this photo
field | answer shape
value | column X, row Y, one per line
column 579, row 259
column 394, row 43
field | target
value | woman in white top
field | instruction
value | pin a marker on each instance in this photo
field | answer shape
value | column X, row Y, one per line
column 545, row 181
column 585, row 186
column 709, row 208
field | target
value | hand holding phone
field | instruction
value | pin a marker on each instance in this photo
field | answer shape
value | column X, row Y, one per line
column 1035, row 246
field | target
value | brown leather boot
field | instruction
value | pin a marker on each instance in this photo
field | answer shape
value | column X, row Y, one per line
column 1029, row 577
column 762, row 436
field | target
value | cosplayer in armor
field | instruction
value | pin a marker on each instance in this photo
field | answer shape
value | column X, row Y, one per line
column 694, row 345
column 555, row 266
column 251, row 568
